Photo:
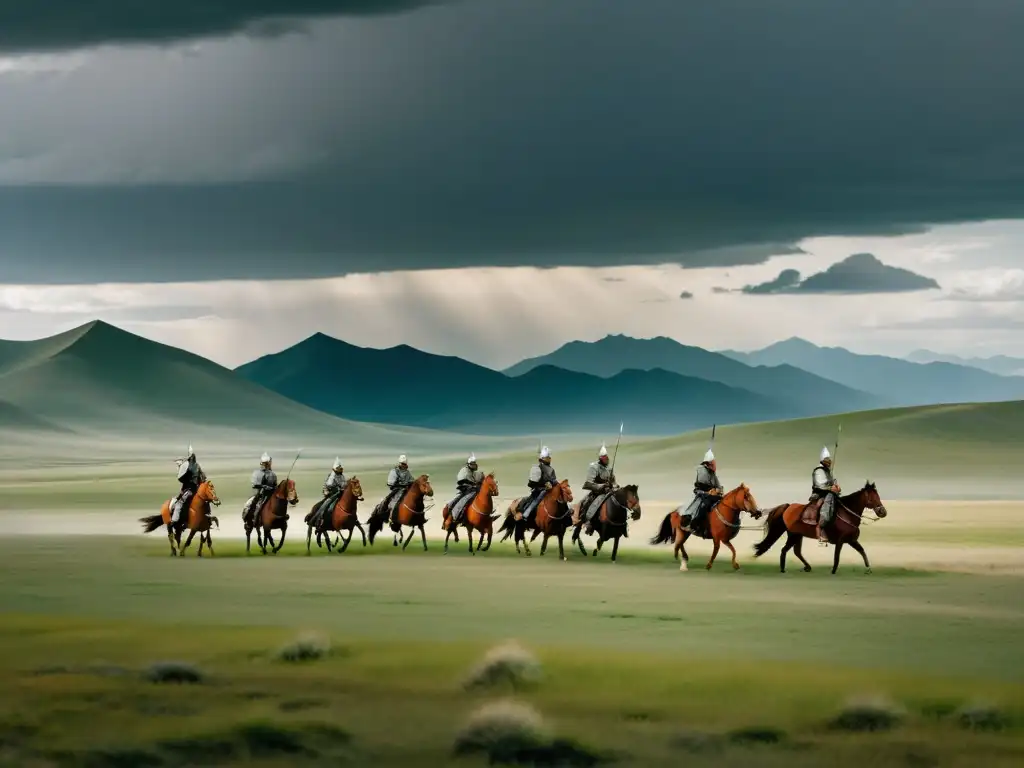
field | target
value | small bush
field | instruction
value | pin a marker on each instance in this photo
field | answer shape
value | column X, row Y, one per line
column 179, row 672
column 306, row 648
column 757, row 735
column 982, row 717
column 500, row 726
column 868, row 715
column 507, row 664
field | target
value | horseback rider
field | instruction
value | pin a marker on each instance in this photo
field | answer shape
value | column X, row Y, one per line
column 707, row 490
column 399, row 479
column 467, row 484
column 542, row 479
column 600, row 480
column 824, row 488
column 191, row 476
column 334, row 486
column 264, row 482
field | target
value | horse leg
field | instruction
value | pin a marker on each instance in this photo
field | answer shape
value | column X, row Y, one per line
column 351, row 533
column 405, row 542
column 490, row 535
column 361, row 531
column 858, row 548
column 267, row 539
column 209, row 543
column 600, row 541
column 714, row 554
column 735, row 565
column 544, row 544
column 615, row 548
column 522, row 535
column 579, row 540
column 535, row 534
column 309, row 539
column 423, row 535
column 684, row 558
column 170, row 538
column 790, row 542
column 798, row 548
column 202, row 541
column 188, row 541
column 284, row 532
column 469, row 536
column 835, row 564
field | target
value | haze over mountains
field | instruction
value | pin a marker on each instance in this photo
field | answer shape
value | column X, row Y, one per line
column 896, row 381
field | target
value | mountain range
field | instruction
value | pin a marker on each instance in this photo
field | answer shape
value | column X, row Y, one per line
column 896, row 381
column 403, row 385
column 998, row 364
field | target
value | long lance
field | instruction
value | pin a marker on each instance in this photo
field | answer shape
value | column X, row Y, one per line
column 293, row 464
column 713, row 428
column 615, row 454
column 835, row 451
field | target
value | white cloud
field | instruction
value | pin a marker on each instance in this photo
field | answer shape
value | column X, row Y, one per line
column 990, row 286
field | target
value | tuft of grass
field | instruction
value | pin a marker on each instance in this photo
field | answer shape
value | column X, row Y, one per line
column 305, row 648
column 979, row 716
column 179, row 672
column 868, row 715
column 507, row 664
column 501, row 727
column 757, row 735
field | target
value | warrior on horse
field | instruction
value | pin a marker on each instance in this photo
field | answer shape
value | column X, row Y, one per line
column 546, row 510
column 336, row 512
column 606, row 508
column 267, row 508
column 404, row 505
column 827, row 517
column 198, row 493
column 697, row 519
column 472, row 506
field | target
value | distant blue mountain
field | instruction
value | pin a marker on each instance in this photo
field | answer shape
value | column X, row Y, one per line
column 403, row 385
column 899, row 382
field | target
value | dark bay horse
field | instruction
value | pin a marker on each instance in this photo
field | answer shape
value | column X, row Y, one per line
column 723, row 523
column 410, row 512
column 843, row 529
column 343, row 518
column 611, row 519
column 477, row 516
column 553, row 517
column 273, row 513
column 199, row 520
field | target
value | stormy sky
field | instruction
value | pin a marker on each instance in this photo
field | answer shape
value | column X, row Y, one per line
column 409, row 148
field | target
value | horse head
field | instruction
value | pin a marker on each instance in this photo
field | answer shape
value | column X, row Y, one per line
column 286, row 490
column 749, row 503
column 490, row 485
column 872, row 500
column 423, row 483
column 565, row 491
column 355, row 488
column 208, row 493
column 631, row 500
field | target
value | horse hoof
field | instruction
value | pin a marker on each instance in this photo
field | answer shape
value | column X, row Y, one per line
column 683, row 568
column 735, row 566
column 807, row 569
column 867, row 571
column 708, row 566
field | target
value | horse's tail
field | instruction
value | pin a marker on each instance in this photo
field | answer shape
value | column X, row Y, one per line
column 665, row 534
column 216, row 521
column 508, row 527
column 774, row 527
column 151, row 523
column 376, row 525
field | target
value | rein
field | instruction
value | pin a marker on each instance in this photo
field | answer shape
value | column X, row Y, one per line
column 862, row 518
column 620, row 505
column 739, row 513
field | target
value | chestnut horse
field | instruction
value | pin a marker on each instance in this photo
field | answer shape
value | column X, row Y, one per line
column 844, row 527
column 723, row 523
column 343, row 518
column 611, row 519
column 410, row 513
column 273, row 513
column 199, row 520
column 553, row 517
column 477, row 516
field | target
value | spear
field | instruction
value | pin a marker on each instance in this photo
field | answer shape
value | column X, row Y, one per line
column 293, row 464
column 835, row 451
column 615, row 454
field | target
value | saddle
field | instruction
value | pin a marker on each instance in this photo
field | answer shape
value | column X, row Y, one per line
column 810, row 514
column 593, row 501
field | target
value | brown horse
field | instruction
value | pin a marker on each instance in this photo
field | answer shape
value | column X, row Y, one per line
column 273, row 513
column 343, row 518
column 722, row 526
column 199, row 520
column 553, row 517
column 612, row 519
column 410, row 513
column 477, row 516
column 844, row 527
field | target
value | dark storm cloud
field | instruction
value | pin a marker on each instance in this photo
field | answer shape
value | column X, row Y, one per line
column 686, row 295
column 859, row 273
column 45, row 25
column 578, row 132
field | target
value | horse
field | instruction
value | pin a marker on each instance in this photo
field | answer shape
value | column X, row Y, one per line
column 410, row 512
column 343, row 518
column 611, row 519
column 723, row 523
column 475, row 517
column 844, row 527
column 551, row 518
column 199, row 520
column 273, row 513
